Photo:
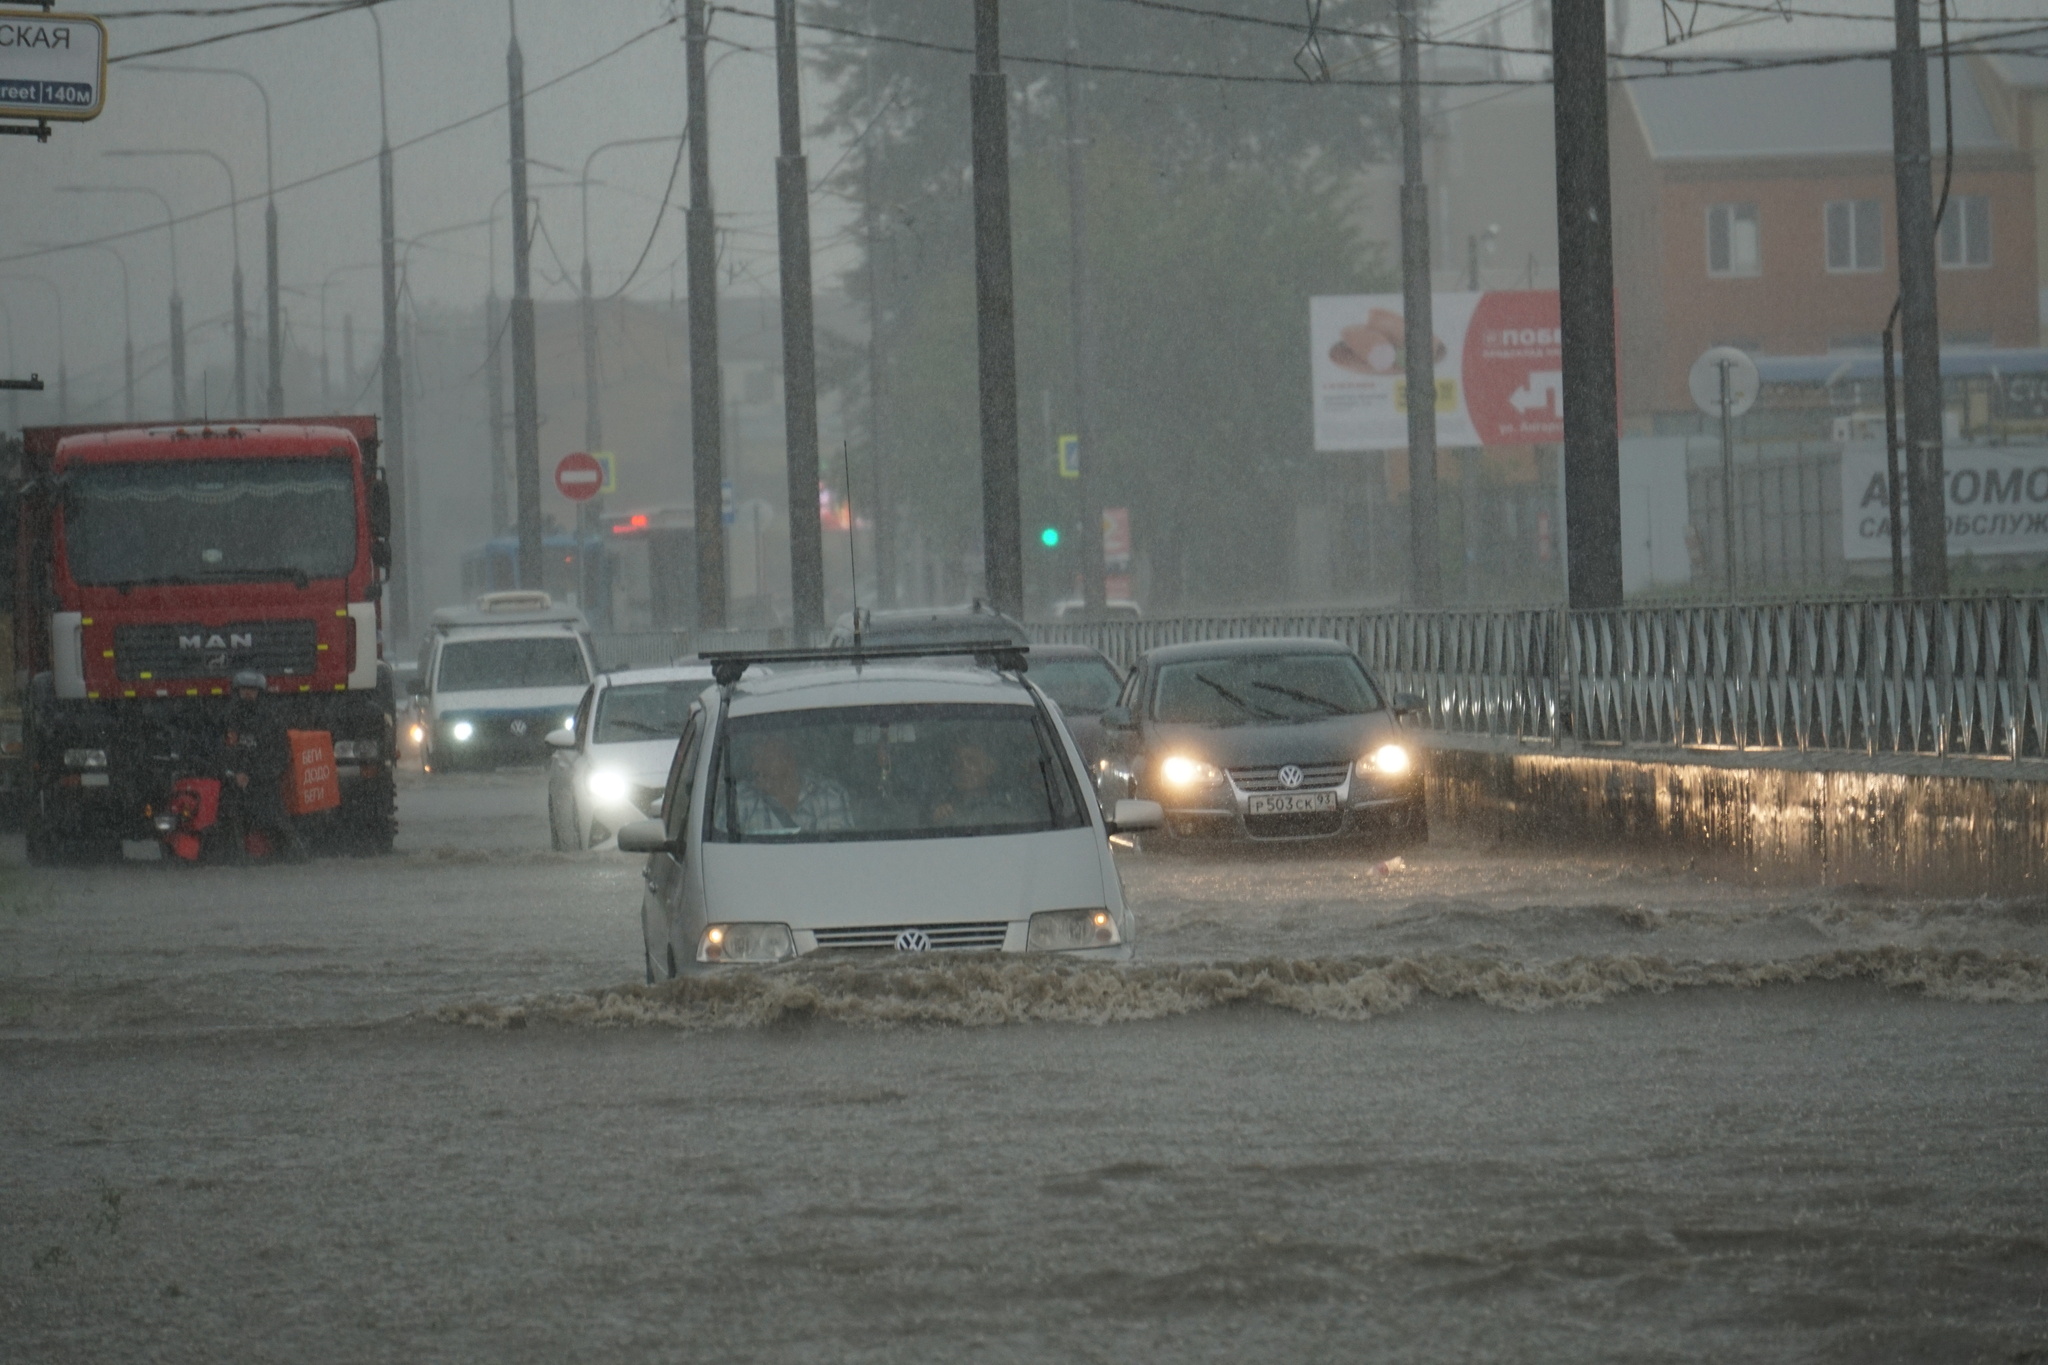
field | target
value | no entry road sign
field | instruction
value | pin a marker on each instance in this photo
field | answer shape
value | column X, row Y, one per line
column 579, row 477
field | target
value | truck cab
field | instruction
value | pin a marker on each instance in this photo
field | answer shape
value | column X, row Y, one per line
column 497, row 677
column 152, row 565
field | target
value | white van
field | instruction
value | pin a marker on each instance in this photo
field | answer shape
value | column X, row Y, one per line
column 495, row 678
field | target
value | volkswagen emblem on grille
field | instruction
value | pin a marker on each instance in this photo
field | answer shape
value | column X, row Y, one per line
column 518, row 727
column 1290, row 776
column 913, row 941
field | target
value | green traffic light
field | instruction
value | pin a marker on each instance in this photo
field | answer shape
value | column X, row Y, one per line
column 1050, row 537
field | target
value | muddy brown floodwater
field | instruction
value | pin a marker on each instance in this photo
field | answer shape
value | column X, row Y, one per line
column 1488, row 1105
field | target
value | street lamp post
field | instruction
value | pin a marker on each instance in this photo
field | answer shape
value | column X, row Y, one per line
column 273, row 331
column 63, row 380
column 127, row 328
column 241, row 330
column 178, row 408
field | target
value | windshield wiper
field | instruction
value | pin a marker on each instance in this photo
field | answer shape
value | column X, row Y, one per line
column 298, row 576
column 1239, row 702
column 642, row 727
column 1309, row 697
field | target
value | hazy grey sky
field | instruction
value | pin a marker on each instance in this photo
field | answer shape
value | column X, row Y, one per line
column 445, row 61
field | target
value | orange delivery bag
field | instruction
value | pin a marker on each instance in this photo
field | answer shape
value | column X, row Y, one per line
column 311, row 783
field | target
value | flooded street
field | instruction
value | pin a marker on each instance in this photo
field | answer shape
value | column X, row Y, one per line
column 1485, row 1104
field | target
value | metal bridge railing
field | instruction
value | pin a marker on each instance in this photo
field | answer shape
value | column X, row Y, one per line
column 1944, row 676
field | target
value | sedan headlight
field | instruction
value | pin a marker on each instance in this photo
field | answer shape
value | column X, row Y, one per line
column 85, row 758
column 1390, row 760
column 608, row 785
column 1054, row 931
column 1189, row 774
column 462, row 732
column 754, row 943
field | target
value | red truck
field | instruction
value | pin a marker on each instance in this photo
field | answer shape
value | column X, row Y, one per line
column 151, row 565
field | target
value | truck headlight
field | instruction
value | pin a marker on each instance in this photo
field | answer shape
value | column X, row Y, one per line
column 462, row 732
column 85, row 758
column 608, row 785
column 354, row 750
column 1189, row 774
column 1054, row 931
column 754, row 943
column 1390, row 760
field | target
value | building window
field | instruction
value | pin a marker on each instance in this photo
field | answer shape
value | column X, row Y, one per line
column 1731, row 240
column 1966, row 232
column 1855, row 234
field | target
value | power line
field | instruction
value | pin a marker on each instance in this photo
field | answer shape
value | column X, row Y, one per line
column 345, row 166
column 326, row 12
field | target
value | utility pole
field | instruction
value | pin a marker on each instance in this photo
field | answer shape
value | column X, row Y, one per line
column 882, row 512
column 1585, row 288
column 525, row 402
column 1419, row 328
column 707, row 399
column 1919, row 322
column 996, row 308
column 1082, row 321
column 799, row 347
column 400, row 586
column 494, row 386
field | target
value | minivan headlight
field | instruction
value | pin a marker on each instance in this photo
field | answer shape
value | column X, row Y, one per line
column 85, row 758
column 1054, row 931
column 754, row 943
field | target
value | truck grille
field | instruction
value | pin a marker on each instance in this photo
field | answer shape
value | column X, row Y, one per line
column 983, row 937
column 270, row 647
column 1314, row 777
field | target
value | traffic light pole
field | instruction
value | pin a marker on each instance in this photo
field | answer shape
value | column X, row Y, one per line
column 799, row 344
column 525, row 402
column 707, row 434
column 1419, row 329
column 995, row 309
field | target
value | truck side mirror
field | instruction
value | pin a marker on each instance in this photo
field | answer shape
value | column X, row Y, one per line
column 1408, row 704
column 380, row 508
column 416, row 686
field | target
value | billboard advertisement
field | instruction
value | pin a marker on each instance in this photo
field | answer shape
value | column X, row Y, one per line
column 1997, row 501
column 1499, row 370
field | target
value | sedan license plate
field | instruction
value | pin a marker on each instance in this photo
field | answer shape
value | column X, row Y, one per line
column 1290, row 803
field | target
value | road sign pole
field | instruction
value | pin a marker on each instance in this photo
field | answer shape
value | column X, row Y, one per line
column 1727, row 481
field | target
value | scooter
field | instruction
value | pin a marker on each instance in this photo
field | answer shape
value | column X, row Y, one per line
column 194, row 809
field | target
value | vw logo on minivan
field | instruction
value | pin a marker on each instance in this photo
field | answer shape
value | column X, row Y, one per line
column 913, row 941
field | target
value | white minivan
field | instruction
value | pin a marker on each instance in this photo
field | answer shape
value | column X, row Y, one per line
column 878, row 808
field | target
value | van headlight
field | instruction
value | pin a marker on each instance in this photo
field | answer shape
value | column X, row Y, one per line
column 1390, row 760
column 1189, row 774
column 752, row 943
column 462, row 732
column 608, row 785
column 1055, row 931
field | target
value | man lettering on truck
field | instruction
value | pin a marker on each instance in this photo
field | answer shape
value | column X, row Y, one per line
column 258, row 754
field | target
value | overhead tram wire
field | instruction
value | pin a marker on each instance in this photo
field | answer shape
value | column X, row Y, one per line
column 326, row 12
column 346, row 166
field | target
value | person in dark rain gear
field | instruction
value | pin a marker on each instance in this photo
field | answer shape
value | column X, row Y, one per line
column 257, row 754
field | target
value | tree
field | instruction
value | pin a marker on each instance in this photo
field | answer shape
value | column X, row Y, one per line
column 1215, row 212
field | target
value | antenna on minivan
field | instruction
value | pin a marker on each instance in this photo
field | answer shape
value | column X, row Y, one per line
column 852, row 566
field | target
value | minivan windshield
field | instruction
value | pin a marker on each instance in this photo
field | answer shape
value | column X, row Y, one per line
column 1246, row 689
column 890, row 772
column 640, row 711
column 533, row 661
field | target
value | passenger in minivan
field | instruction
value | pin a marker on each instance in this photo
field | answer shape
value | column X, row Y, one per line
column 976, row 795
column 778, row 794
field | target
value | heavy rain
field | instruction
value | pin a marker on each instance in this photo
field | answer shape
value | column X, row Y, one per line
column 789, row 680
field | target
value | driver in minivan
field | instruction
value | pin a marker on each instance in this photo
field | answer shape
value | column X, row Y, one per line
column 778, row 795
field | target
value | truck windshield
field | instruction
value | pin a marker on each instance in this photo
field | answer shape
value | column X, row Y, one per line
column 201, row 521
column 535, row 661
column 890, row 772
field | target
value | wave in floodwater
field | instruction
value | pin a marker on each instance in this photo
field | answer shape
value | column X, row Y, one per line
column 984, row 991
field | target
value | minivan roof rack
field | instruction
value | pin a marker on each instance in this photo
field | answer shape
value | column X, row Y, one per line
column 728, row 666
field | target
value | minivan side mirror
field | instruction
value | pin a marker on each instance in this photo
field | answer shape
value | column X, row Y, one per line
column 1117, row 718
column 416, row 686
column 645, row 836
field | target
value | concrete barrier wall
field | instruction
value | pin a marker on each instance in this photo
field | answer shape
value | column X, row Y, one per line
column 1934, row 833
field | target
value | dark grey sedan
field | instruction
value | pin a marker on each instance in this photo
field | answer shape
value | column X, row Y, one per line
column 1264, row 740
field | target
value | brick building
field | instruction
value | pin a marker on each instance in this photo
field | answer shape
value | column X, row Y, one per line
column 1757, row 210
